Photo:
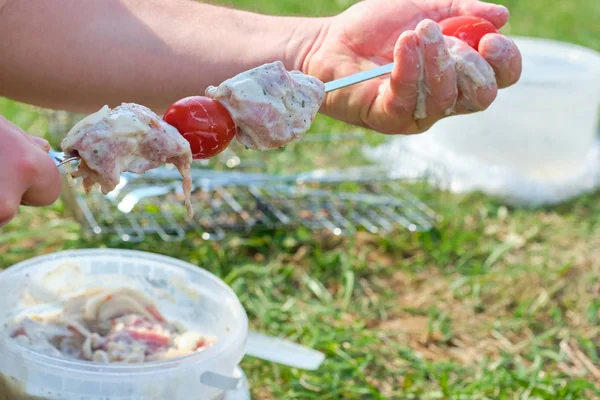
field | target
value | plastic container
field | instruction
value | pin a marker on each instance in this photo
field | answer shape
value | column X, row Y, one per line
column 545, row 125
column 182, row 292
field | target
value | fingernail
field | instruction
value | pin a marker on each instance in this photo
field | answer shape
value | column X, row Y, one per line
column 502, row 9
column 41, row 141
column 431, row 33
column 495, row 47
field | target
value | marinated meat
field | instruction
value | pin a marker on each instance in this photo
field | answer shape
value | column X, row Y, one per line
column 270, row 106
column 127, row 138
column 108, row 327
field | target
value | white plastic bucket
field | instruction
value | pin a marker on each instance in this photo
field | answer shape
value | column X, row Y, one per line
column 545, row 125
column 183, row 293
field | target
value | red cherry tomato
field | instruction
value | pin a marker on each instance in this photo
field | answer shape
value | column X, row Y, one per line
column 205, row 123
column 468, row 29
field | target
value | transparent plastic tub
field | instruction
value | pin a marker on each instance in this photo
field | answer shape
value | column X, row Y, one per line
column 544, row 126
column 182, row 292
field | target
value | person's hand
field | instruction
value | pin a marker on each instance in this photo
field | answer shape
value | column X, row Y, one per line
column 434, row 76
column 28, row 175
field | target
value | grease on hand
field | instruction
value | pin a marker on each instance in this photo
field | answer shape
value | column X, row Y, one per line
column 472, row 70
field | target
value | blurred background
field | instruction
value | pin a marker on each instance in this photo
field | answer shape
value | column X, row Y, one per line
column 411, row 291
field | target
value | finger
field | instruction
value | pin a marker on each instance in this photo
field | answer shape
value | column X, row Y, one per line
column 407, row 73
column 6, row 125
column 44, row 179
column 25, row 163
column 495, row 13
column 398, row 95
column 37, row 141
column 504, row 57
column 475, row 78
column 439, row 79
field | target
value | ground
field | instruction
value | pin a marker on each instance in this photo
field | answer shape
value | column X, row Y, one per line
column 494, row 303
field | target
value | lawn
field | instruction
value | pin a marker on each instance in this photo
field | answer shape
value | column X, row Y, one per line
column 494, row 303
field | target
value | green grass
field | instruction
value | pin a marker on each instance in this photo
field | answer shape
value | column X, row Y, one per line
column 495, row 303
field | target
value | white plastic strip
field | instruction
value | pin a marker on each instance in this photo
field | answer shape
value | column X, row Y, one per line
column 283, row 352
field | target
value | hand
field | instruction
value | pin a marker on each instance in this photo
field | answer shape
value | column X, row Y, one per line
column 434, row 76
column 29, row 176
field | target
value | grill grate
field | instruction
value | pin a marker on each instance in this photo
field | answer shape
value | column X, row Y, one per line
column 377, row 207
column 256, row 191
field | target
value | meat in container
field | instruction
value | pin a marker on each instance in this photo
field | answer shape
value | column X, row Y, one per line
column 182, row 292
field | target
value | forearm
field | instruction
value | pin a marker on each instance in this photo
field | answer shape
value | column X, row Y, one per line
column 78, row 55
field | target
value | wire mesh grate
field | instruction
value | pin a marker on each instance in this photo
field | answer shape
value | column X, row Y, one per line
column 374, row 207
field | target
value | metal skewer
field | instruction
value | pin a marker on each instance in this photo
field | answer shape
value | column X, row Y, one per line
column 358, row 77
column 59, row 158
